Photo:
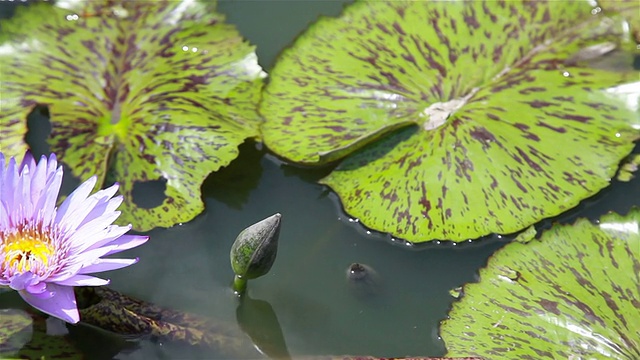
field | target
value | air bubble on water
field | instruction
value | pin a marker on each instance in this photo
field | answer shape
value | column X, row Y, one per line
column 596, row 10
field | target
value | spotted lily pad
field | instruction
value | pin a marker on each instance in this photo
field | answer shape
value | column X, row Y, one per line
column 454, row 119
column 137, row 90
column 572, row 294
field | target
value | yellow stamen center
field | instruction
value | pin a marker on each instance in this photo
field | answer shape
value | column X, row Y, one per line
column 26, row 250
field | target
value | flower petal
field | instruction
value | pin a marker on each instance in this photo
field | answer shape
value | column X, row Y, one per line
column 61, row 305
column 48, row 202
column 126, row 242
column 92, row 232
column 110, row 234
column 83, row 280
column 38, row 182
column 75, row 263
column 9, row 184
column 107, row 265
column 37, row 288
column 103, row 197
column 75, row 202
column 20, row 282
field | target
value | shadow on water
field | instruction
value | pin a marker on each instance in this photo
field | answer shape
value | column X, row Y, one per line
column 233, row 183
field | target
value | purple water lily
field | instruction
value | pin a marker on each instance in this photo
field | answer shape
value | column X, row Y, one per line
column 46, row 250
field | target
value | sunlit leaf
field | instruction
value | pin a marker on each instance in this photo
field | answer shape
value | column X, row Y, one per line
column 455, row 119
column 137, row 91
column 573, row 294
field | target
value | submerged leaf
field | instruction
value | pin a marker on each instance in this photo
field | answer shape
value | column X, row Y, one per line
column 132, row 318
column 627, row 9
column 137, row 90
column 26, row 336
column 574, row 295
column 457, row 119
column 16, row 329
column 628, row 167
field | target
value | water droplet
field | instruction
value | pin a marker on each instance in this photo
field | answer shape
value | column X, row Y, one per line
column 596, row 10
column 185, row 48
column 618, row 135
column 194, row 49
column 72, row 17
column 368, row 232
column 566, row 74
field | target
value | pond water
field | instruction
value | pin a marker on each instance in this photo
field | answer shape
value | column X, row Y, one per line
column 187, row 267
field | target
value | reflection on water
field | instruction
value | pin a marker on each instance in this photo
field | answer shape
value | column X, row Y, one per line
column 258, row 320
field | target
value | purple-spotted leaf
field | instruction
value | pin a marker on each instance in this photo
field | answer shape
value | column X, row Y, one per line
column 136, row 90
column 572, row 294
column 454, row 120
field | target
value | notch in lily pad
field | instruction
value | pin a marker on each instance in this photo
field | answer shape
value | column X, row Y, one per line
column 254, row 251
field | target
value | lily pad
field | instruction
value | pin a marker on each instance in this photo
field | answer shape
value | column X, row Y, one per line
column 137, row 91
column 573, row 294
column 453, row 120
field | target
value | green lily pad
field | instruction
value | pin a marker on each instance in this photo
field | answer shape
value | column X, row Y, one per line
column 454, row 120
column 572, row 294
column 138, row 91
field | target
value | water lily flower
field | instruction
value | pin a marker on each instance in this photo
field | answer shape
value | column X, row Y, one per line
column 46, row 250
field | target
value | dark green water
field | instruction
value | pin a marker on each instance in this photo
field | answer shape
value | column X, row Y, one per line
column 187, row 267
